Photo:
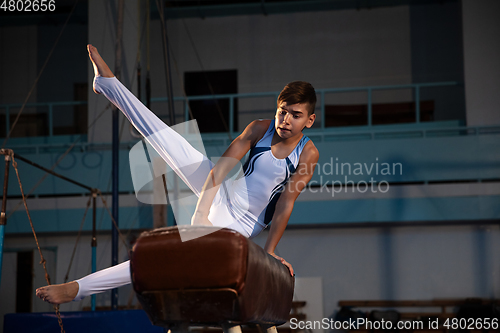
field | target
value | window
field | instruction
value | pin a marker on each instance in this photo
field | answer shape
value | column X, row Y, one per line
column 212, row 114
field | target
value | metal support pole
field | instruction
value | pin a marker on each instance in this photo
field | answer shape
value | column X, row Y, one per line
column 51, row 120
column 148, row 78
column 168, row 76
column 116, row 140
column 94, row 244
column 417, row 104
column 115, row 207
column 2, row 232
column 3, row 217
column 231, row 115
column 369, row 106
column 231, row 328
column 7, row 119
column 323, row 110
column 166, row 54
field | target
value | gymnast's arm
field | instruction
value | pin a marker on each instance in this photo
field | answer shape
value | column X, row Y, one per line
column 231, row 157
column 302, row 175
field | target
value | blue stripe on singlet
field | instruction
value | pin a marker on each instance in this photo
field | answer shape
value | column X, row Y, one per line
column 276, row 193
column 255, row 153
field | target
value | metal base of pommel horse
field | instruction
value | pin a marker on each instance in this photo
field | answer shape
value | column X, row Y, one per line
column 219, row 279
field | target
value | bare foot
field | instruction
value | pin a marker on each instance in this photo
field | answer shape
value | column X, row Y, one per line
column 58, row 293
column 100, row 67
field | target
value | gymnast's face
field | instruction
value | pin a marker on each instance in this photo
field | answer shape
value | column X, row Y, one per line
column 292, row 119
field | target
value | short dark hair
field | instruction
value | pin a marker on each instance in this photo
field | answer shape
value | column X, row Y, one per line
column 298, row 92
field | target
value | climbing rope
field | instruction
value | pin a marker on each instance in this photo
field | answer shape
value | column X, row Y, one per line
column 43, row 262
column 42, row 259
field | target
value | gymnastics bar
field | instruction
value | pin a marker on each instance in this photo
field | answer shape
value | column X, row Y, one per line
column 3, row 216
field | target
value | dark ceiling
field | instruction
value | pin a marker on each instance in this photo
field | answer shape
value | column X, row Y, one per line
column 176, row 9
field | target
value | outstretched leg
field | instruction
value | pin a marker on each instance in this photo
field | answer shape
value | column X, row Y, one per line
column 192, row 166
column 58, row 293
column 100, row 67
column 95, row 283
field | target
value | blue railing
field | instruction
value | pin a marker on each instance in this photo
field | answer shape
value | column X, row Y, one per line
column 416, row 87
column 221, row 139
column 50, row 112
column 231, row 98
column 369, row 91
column 321, row 92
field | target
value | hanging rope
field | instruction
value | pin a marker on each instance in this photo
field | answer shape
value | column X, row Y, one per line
column 42, row 259
column 148, row 56
column 166, row 49
column 140, row 33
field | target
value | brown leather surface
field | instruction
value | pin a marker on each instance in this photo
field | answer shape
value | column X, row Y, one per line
column 216, row 278
column 161, row 261
column 268, row 293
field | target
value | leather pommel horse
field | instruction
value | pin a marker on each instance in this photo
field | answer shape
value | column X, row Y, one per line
column 220, row 279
